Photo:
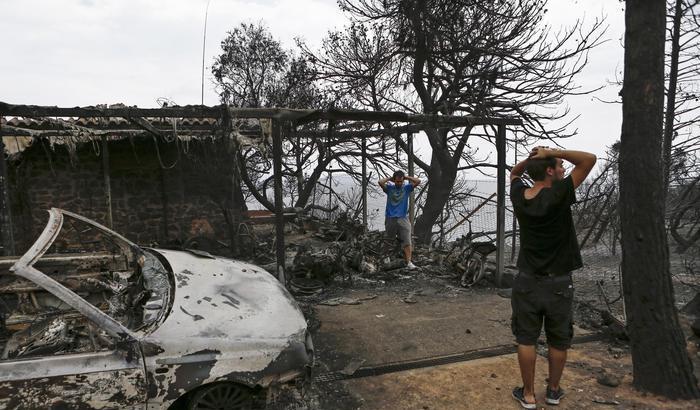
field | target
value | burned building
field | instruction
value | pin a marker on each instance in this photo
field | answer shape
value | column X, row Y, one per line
column 163, row 192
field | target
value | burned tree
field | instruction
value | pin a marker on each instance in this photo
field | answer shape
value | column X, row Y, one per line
column 251, row 66
column 661, row 363
column 681, row 143
column 254, row 70
column 455, row 57
column 597, row 206
column 683, row 66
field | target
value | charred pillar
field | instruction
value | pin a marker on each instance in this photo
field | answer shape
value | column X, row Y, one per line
column 364, row 184
column 329, row 137
column 8, row 240
column 500, row 203
column 107, row 181
column 279, row 206
column 164, row 203
column 411, row 170
column 515, row 220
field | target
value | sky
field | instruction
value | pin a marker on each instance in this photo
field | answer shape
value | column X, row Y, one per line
column 88, row 52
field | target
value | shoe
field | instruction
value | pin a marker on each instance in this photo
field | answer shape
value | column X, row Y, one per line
column 554, row 396
column 519, row 396
column 410, row 265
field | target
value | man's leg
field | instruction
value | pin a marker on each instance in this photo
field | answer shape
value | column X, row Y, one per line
column 526, row 323
column 390, row 230
column 405, row 236
column 558, row 325
column 527, row 357
column 557, row 360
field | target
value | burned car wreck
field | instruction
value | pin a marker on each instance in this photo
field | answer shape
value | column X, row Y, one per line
column 132, row 327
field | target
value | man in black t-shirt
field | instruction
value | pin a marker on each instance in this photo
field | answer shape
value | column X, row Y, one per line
column 549, row 251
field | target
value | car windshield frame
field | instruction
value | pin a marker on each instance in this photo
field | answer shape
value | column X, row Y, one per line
column 24, row 268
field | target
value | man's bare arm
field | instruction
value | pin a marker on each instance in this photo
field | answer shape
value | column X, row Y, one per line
column 583, row 161
column 415, row 181
column 383, row 181
column 518, row 170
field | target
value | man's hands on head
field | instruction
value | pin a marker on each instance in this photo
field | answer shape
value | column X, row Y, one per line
column 543, row 152
column 583, row 161
column 415, row 181
column 384, row 181
column 539, row 152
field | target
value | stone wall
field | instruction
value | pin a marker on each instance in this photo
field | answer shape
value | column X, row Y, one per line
column 162, row 193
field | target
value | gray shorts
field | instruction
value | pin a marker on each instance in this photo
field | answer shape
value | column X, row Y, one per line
column 398, row 226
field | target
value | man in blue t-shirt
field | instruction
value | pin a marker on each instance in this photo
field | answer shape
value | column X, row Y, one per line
column 396, row 222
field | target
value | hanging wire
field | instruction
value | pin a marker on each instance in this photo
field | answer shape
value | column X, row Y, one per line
column 160, row 159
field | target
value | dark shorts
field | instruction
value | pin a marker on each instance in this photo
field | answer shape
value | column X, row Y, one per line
column 547, row 299
column 398, row 226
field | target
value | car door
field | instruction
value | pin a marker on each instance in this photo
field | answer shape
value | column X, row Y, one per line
column 110, row 379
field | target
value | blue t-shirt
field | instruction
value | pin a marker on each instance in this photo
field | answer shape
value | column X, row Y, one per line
column 397, row 199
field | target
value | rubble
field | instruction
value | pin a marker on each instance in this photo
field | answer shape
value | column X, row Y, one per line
column 323, row 250
column 411, row 298
column 305, row 286
column 346, row 301
column 607, row 379
column 601, row 400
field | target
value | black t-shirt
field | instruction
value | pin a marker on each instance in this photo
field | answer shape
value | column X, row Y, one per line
column 548, row 241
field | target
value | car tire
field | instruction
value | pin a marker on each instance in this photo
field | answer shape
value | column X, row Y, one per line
column 221, row 396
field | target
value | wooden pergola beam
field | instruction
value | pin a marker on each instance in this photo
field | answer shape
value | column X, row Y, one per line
column 196, row 130
column 444, row 121
column 282, row 114
column 11, row 131
column 193, row 130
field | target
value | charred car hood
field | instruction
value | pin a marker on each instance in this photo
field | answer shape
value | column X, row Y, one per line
column 226, row 302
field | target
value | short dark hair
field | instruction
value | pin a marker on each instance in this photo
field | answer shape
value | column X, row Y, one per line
column 399, row 174
column 537, row 168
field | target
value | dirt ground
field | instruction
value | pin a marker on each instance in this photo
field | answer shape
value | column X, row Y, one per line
column 405, row 316
column 387, row 329
column 487, row 383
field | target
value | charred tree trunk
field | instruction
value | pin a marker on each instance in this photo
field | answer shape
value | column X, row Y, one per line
column 441, row 174
column 671, row 98
column 661, row 363
column 443, row 169
column 306, row 193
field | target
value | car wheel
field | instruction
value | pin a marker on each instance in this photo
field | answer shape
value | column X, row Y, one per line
column 222, row 396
